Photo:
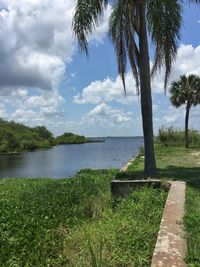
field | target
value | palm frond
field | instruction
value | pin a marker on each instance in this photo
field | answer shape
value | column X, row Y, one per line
column 194, row 89
column 123, row 26
column 185, row 90
column 164, row 22
column 177, row 97
column 87, row 15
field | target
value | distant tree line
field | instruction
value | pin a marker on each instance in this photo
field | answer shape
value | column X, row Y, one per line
column 70, row 138
column 16, row 137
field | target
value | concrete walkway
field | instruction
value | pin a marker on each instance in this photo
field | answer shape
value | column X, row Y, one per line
column 171, row 245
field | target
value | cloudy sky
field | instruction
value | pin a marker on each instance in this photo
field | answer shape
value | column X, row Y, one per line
column 44, row 80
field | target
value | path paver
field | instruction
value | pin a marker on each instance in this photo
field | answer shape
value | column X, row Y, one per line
column 171, row 245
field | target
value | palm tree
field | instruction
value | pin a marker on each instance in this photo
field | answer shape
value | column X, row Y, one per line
column 128, row 26
column 186, row 91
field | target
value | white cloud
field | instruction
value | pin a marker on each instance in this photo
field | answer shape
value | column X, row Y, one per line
column 40, row 109
column 29, row 117
column 12, row 96
column 108, row 90
column 105, row 116
column 36, row 41
column 2, row 111
column 187, row 62
column 52, row 100
column 101, row 29
column 172, row 118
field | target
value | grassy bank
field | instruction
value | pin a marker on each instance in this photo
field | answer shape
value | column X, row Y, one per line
column 180, row 164
column 174, row 163
column 72, row 222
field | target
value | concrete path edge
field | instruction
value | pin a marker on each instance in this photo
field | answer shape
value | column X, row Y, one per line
column 170, row 247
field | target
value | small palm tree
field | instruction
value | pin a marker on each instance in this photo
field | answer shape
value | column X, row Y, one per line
column 129, row 22
column 186, row 91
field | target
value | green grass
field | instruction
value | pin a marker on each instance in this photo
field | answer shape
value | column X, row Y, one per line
column 128, row 234
column 35, row 212
column 71, row 222
column 192, row 225
column 174, row 163
column 180, row 164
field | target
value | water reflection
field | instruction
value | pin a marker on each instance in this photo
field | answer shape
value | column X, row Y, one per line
column 65, row 160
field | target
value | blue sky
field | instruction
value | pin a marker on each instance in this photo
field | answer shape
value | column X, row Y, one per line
column 44, row 80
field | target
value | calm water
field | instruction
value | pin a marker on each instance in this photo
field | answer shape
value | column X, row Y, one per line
column 65, row 160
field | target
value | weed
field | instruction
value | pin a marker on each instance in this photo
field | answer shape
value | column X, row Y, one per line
column 44, row 222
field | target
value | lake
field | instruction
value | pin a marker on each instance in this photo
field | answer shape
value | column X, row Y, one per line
column 65, row 160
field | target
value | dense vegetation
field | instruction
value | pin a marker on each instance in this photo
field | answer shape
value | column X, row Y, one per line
column 15, row 137
column 72, row 222
column 70, row 138
column 170, row 137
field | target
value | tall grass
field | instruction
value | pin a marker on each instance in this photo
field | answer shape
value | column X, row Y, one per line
column 169, row 137
column 129, row 233
column 71, row 222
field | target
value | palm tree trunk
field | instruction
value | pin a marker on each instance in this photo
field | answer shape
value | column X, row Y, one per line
column 146, row 99
column 186, row 125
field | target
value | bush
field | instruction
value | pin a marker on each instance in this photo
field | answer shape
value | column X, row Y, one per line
column 169, row 136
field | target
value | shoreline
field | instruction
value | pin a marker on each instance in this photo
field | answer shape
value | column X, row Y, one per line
column 46, row 148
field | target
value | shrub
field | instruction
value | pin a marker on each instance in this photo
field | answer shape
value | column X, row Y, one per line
column 169, row 136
